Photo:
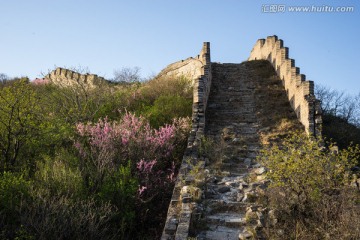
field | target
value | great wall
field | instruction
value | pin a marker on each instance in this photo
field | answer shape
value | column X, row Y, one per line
column 65, row 77
column 239, row 107
column 236, row 107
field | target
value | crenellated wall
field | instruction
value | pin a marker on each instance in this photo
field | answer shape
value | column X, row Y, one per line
column 181, row 206
column 300, row 91
column 65, row 77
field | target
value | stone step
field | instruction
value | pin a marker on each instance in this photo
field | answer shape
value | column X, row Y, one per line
column 220, row 205
column 216, row 232
column 231, row 219
column 231, row 119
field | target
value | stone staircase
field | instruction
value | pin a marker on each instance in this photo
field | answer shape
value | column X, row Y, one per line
column 247, row 109
column 231, row 121
column 239, row 109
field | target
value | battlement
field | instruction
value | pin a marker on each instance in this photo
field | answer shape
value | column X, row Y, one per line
column 300, row 91
column 64, row 77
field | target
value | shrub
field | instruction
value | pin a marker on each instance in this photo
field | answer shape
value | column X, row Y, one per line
column 19, row 125
column 105, row 146
column 162, row 99
column 308, row 189
column 58, row 177
column 131, row 165
column 13, row 188
column 61, row 217
column 168, row 107
column 14, row 191
column 120, row 188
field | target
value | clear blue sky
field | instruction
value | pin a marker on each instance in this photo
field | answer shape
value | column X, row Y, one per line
column 104, row 35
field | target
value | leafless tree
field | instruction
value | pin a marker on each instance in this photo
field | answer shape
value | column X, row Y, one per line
column 127, row 75
column 339, row 104
column 3, row 77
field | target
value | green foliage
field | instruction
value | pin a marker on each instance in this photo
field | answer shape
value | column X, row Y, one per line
column 58, row 177
column 120, row 189
column 13, row 189
column 50, row 199
column 19, row 125
column 305, row 168
column 15, row 192
column 162, row 99
column 309, row 190
column 76, row 103
column 168, row 107
column 61, row 217
column 157, row 87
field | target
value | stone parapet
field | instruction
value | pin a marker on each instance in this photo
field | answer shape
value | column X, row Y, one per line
column 300, row 91
column 182, row 204
column 65, row 78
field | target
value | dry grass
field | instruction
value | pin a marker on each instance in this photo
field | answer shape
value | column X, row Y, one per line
column 276, row 117
column 335, row 216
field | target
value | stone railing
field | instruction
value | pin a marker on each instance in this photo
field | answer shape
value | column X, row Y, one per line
column 181, row 206
column 66, row 78
column 299, row 91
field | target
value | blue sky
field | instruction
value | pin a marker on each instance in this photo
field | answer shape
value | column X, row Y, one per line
column 37, row 35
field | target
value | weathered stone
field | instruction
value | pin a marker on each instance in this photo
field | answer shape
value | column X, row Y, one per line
column 243, row 186
column 67, row 78
column 299, row 91
column 186, row 198
column 260, row 178
column 171, row 227
column 232, row 184
column 223, row 189
column 249, row 197
column 245, row 235
column 260, row 170
column 228, row 133
column 239, row 197
column 247, row 162
column 256, row 165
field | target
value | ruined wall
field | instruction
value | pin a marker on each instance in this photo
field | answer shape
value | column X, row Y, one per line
column 190, row 68
column 181, row 205
column 300, row 92
column 64, row 77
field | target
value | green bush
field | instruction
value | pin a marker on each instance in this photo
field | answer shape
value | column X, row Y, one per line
column 168, row 107
column 20, row 119
column 61, row 217
column 60, row 176
column 13, row 190
column 309, row 189
column 307, row 169
column 14, row 193
column 120, row 189
column 161, row 100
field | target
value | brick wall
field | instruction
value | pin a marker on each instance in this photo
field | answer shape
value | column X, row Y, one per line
column 299, row 90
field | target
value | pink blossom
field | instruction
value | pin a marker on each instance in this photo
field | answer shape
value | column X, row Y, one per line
column 141, row 190
column 107, row 145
